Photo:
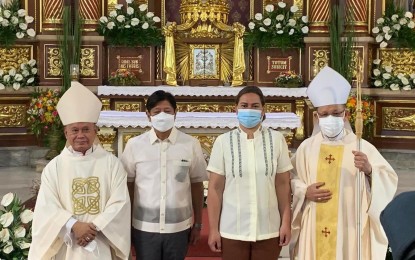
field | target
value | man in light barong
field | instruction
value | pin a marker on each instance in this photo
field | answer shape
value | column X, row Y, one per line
column 83, row 207
column 324, row 182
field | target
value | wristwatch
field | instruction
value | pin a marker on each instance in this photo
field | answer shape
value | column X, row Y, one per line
column 198, row 226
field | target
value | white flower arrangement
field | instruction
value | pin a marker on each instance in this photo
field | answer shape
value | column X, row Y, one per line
column 277, row 27
column 131, row 25
column 15, row 228
column 14, row 23
column 395, row 25
column 383, row 77
column 21, row 77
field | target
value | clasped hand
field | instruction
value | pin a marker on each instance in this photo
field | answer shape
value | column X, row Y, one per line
column 84, row 232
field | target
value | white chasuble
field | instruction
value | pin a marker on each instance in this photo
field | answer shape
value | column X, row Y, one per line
column 92, row 189
column 323, row 231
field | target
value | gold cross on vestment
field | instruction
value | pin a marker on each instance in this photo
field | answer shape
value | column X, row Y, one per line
column 330, row 158
column 325, row 232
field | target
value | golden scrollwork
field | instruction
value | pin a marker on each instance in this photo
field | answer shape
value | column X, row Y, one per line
column 54, row 62
column 356, row 59
column 398, row 118
column 402, row 60
column 206, row 141
column 14, row 56
column 107, row 137
column 205, row 107
column 128, row 106
column 88, row 62
column 13, row 115
column 321, row 59
column 288, row 137
column 106, row 104
column 299, row 110
column 86, row 195
column 279, row 107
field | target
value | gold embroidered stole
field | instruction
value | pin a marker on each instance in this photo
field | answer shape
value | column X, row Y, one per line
column 329, row 172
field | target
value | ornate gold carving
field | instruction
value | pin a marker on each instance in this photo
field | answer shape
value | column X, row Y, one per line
column 111, row 5
column 402, row 60
column 14, row 56
column 107, row 137
column 205, row 107
column 86, row 196
column 279, row 107
column 321, row 59
column 88, row 62
column 299, row 110
column 106, row 104
column 206, row 141
column 319, row 11
column 52, row 11
column 205, row 12
column 128, row 106
column 13, row 115
column 398, row 118
column 54, row 62
column 288, row 137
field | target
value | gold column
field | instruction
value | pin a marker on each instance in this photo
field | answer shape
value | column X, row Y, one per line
column 299, row 110
column 90, row 11
column 358, row 12
column 319, row 15
column 51, row 13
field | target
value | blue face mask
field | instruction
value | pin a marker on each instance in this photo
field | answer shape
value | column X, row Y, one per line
column 249, row 118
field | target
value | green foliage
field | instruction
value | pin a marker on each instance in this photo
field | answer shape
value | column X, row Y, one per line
column 14, row 23
column 277, row 27
column 341, row 48
column 395, row 26
column 131, row 25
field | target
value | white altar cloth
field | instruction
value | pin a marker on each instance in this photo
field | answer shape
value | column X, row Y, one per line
column 123, row 119
column 197, row 91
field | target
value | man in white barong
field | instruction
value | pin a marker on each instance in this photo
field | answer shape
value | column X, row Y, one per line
column 83, row 207
column 324, row 182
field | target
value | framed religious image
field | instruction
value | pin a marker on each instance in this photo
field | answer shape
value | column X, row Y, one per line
column 204, row 61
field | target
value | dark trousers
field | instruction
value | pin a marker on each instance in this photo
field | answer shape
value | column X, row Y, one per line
column 156, row 246
column 268, row 249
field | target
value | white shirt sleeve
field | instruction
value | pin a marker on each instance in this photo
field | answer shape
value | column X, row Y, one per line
column 198, row 171
column 217, row 160
column 66, row 231
column 127, row 160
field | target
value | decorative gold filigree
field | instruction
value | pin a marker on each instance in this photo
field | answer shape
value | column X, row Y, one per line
column 106, row 104
column 321, row 59
column 288, row 137
column 205, row 107
column 107, row 137
column 128, row 106
column 88, row 62
column 14, row 56
column 398, row 118
column 13, row 115
column 111, row 5
column 401, row 60
column 206, row 141
column 54, row 62
column 299, row 110
column 279, row 107
column 86, row 196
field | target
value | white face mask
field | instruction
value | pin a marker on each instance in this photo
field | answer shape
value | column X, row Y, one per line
column 331, row 126
column 162, row 122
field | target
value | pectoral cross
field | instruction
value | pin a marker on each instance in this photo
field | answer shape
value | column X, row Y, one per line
column 325, row 232
column 330, row 158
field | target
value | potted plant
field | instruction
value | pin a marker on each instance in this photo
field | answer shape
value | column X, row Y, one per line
column 368, row 114
column 132, row 32
column 21, row 77
column 15, row 228
column 44, row 120
column 289, row 80
column 123, row 77
column 14, row 23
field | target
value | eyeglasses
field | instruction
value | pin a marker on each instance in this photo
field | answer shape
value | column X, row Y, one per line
column 75, row 131
column 336, row 114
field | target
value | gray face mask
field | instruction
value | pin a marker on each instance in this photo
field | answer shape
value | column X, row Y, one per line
column 162, row 122
column 331, row 126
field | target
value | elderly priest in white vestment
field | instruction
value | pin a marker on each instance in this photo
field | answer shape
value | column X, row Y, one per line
column 324, row 182
column 83, row 207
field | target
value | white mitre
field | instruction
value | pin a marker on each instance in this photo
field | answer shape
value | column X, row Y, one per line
column 328, row 88
column 78, row 104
